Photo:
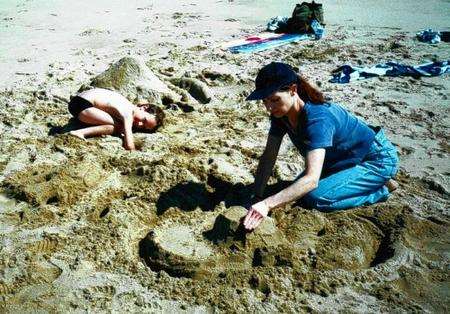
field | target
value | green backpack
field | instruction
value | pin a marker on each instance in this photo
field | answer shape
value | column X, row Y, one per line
column 302, row 16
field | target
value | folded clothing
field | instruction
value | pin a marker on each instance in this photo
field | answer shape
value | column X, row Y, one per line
column 277, row 23
column 433, row 37
column 349, row 73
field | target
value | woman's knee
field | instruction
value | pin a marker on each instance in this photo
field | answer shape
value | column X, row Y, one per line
column 315, row 199
column 396, row 163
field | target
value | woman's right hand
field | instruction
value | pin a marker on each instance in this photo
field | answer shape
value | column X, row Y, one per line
column 255, row 215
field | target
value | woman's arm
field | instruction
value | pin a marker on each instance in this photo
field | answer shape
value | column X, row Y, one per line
column 265, row 165
column 307, row 183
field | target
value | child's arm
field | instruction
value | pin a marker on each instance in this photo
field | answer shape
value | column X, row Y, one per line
column 128, row 141
column 123, row 111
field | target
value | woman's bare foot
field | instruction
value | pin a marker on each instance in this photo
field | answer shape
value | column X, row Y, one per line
column 78, row 134
column 391, row 185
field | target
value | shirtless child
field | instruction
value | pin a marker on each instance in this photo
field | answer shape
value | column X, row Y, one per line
column 106, row 112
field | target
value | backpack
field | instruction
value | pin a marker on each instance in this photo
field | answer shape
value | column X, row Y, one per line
column 303, row 15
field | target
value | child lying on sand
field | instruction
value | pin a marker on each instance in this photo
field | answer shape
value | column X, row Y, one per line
column 106, row 112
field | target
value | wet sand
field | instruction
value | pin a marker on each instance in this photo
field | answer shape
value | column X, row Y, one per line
column 87, row 226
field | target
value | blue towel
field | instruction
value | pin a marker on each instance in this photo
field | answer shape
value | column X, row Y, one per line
column 268, row 43
column 348, row 73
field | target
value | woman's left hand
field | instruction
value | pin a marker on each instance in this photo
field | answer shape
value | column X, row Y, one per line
column 255, row 215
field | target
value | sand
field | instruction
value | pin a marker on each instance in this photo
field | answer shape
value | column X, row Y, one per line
column 88, row 226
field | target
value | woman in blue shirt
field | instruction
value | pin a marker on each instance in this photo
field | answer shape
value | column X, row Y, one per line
column 348, row 163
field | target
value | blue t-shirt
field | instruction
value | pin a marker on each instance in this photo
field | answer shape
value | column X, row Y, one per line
column 346, row 139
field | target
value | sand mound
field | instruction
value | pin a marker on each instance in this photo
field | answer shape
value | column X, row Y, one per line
column 132, row 78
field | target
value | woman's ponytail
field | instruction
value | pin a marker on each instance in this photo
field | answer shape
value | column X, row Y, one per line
column 308, row 91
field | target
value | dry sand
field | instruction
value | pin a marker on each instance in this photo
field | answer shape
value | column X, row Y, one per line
column 87, row 226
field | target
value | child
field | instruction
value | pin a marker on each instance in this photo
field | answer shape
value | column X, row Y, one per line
column 106, row 112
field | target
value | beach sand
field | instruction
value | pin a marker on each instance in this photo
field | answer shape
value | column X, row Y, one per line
column 88, row 226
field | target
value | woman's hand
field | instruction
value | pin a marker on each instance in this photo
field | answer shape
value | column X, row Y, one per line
column 255, row 215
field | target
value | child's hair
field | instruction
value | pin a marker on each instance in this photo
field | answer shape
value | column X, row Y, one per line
column 157, row 112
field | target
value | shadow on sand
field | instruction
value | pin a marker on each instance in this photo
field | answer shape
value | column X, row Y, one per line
column 189, row 195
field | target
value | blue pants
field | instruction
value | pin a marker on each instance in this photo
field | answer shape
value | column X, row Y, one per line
column 360, row 185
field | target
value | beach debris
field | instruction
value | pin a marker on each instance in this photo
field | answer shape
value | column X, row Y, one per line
column 132, row 78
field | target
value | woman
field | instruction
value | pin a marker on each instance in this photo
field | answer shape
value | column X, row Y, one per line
column 106, row 112
column 347, row 162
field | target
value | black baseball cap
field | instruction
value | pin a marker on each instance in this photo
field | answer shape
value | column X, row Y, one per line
column 272, row 78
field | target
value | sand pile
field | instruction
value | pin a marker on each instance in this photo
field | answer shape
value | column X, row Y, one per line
column 88, row 226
